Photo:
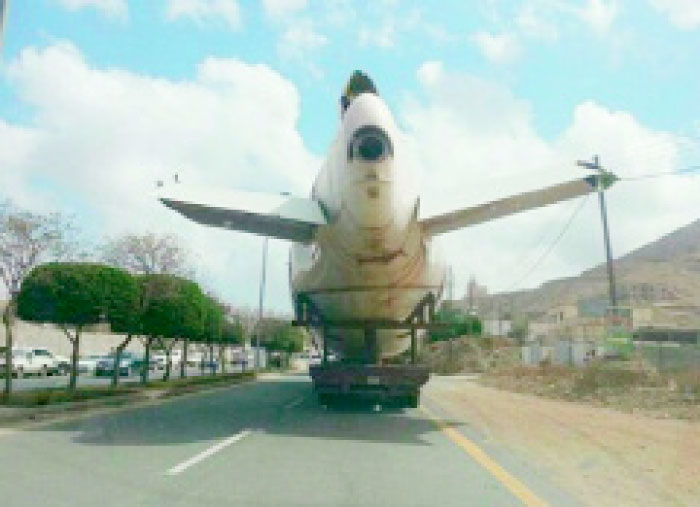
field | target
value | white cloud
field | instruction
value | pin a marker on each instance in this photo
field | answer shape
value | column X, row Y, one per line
column 474, row 141
column 111, row 8
column 430, row 72
column 497, row 48
column 102, row 138
column 383, row 36
column 297, row 43
column 206, row 11
column 299, row 38
column 599, row 14
column 394, row 22
column 534, row 23
column 277, row 9
column 684, row 14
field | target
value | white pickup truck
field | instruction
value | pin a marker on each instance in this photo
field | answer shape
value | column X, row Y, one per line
column 31, row 361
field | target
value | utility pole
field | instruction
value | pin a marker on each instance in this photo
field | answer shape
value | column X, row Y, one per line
column 604, row 180
column 3, row 18
column 260, row 305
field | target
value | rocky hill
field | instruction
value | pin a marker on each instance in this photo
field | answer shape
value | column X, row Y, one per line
column 667, row 269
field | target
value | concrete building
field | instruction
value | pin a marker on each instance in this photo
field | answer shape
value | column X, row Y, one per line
column 496, row 327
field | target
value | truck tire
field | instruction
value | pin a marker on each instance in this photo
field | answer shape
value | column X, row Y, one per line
column 412, row 400
column 327, row 399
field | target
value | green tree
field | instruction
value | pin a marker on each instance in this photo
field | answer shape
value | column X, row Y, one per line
column 232, row 333
column 73, row 295
column 171, row 310
column 278, row 335
column 214, row 321
column 454, row 323
column 193, row 323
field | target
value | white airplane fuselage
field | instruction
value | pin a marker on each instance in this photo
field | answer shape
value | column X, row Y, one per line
column 371, row 261
column 362, row 257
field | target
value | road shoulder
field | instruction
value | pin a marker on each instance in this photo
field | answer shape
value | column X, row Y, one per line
column 599, row 455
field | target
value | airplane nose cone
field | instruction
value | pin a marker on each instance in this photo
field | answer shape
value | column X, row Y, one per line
column 370, row 144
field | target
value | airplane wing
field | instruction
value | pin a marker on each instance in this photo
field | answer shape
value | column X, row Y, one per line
column 274, row 215
column 447, row 222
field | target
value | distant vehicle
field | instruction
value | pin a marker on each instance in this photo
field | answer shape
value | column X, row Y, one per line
column 314, row 359
column 161, row 359
column 88, row 364
column 63, row 364
column 31, row 361
column 209, row 364
column 130, row 364
column 194, row 359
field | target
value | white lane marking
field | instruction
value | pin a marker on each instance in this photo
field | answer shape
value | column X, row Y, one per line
column 294, row 403
column 177, row 469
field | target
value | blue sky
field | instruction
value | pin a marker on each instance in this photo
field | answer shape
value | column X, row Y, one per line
column 642, row 63
column 552, row 66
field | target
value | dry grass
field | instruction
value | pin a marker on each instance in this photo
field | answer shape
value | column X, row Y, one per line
column 630, row 387
column 469, row 354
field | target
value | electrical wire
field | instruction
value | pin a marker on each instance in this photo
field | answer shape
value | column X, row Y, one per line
column 687, row 170
column 549, row 249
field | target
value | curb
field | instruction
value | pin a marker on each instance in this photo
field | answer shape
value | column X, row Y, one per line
column 11, row 414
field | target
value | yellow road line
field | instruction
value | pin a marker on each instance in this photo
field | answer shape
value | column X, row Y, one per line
column 513, row 484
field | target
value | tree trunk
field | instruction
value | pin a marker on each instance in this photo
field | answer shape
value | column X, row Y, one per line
column 222, row 361
column 8, row 316
column 202, row 359
column 146, row 360
column 183, row 364
column 75, row 355
column 168, row 359
column 118, row 359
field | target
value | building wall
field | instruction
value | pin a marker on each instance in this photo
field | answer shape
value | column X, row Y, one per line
column 494, row 327
column 47, row 336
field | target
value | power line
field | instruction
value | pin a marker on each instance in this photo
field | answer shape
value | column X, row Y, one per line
column 686, row 170
column 551, row 246
column 545, row 233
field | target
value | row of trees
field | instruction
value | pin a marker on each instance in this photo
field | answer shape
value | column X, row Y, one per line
column 140, row 287
column 160, row 309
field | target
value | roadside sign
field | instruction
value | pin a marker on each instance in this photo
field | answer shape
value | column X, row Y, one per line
column 618, row 336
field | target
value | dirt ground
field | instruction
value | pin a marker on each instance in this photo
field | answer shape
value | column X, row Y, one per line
column 601, row 456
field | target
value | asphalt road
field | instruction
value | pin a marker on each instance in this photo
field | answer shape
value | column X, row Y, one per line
column 263, row 443
column 34, row 382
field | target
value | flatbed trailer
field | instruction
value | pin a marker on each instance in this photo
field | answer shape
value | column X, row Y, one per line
column 396, row 385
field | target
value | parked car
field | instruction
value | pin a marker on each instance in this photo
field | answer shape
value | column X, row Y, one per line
column 63, row 364
column 129, row 364
column 88, row 364
column 31, row 361
column 161, row 359
column 208, row 364
column 194, row 359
